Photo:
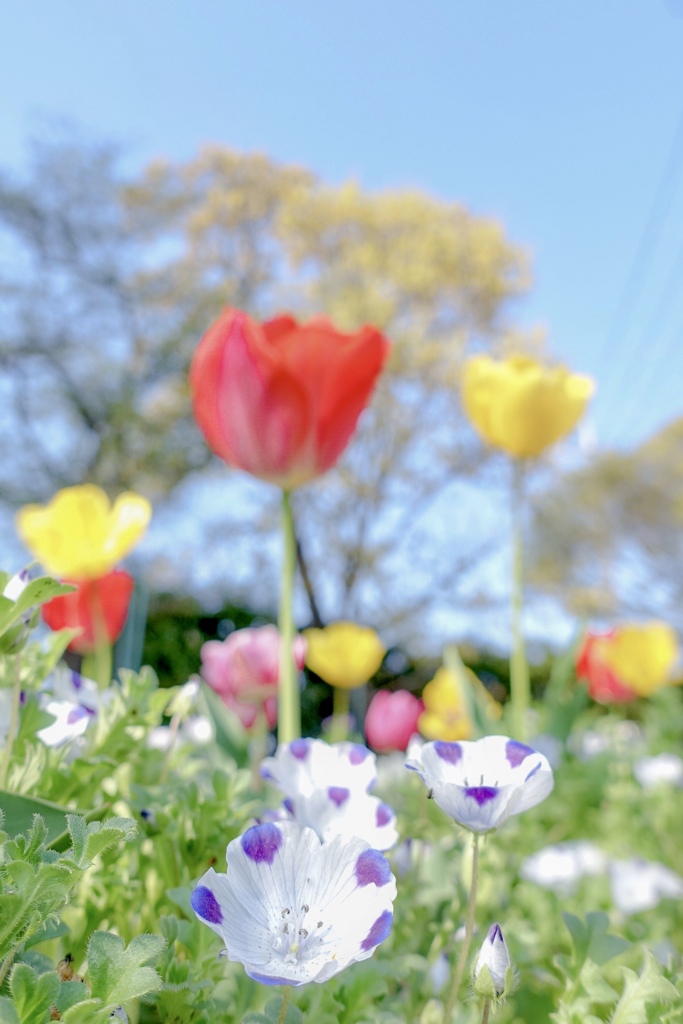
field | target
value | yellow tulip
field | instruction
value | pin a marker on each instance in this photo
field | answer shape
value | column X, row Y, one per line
column 79, row 534
column 445, row 716
column 520, row 406
column 642, row 655
column 344, row 654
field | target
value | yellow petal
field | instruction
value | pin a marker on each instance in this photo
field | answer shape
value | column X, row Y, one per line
column 78, row 535
column 344, row 654
column 642, row 655
column 445, row 716
column 519, row 405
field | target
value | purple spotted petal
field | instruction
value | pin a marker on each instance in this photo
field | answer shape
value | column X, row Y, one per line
column 266, row 979
column 482, row 794
column 449, row 752
column 358, row 753
column 379, row 931
column 384, row 815
column 261, row 842
column 533, row 771
column 205, row 904
column 372, row 867
column 338, row 794
column 299, row 749
column 516, row 752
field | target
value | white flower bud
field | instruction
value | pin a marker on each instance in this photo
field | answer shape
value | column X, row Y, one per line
column 491, row 975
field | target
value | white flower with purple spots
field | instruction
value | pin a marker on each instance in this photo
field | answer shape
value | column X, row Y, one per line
column 325, row 788
column 304, row 766
column 292, row 909
column 74, row 702
column 480, row 784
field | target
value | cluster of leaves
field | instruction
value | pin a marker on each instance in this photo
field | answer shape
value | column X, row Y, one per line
column 115, row 896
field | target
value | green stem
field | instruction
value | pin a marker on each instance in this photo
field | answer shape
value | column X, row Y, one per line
column 339, row 729
column 102, row 659
column 13, row 722
column 258, row 748
column 467, row 941
column 289, row 710
column 8, row 961
column 520, row 688
column 487, row 1012
column 173, row 728
column 286, row 992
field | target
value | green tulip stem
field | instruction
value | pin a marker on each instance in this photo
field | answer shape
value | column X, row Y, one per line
column 469, row 930
column 487, row 1012
column 286, row 992
column 13, row 722
column 289, row 710
column 341, row 706
column 258, row 748
column 99, row 665
column 520, row 688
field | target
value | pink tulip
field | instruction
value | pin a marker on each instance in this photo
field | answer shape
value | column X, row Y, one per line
column 391, row 719
column 244, row 668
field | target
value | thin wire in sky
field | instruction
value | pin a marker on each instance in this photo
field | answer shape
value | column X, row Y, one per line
column 619, row 358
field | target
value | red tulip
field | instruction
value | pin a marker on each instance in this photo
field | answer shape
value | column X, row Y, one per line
column 109, row 596
column 391, row 719
column 244, row 670
column 281, row 399
column 604, row 686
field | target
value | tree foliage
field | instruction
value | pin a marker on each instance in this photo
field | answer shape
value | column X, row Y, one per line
column 608, row 537
column 113, row 279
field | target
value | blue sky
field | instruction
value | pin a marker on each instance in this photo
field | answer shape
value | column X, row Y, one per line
column 559, row 117
column 562, row 118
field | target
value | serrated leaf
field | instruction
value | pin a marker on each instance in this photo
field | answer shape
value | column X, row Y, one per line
column 640, row 990
column 33, row 994
column 117, row 974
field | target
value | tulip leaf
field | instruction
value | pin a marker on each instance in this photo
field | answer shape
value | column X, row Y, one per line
column 230, row 734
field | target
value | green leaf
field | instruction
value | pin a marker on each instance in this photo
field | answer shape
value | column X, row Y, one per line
column 19, row 811
column 34, row 594
column 640, row 990
column 33, row 994
column 8, row 1015
column 117, row 974
column 230, row 734
column 591, row 940
column 271, row 1014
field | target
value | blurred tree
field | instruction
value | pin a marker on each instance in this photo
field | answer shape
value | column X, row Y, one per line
column 607, row 539
column 113, row 282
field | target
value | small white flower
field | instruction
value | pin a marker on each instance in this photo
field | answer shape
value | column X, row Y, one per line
column 639, row 884
column 480, row 784
column 74, row 701
column 561, row 867
column 16, row 585
column 293, row 910
column 663, row 769
column 494, row 955
column 304, row 766
column 325, row 788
